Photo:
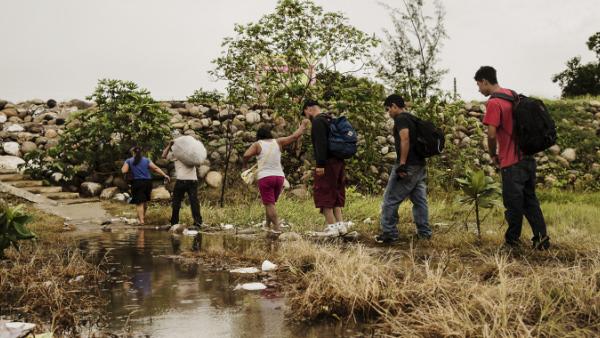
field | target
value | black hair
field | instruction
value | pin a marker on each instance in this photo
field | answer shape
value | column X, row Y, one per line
column 138, row 154
column 394, row 99
column 264, row 133
column 308, row 103
column 486, row 73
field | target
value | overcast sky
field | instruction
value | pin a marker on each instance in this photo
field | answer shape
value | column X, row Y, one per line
column 60, row 48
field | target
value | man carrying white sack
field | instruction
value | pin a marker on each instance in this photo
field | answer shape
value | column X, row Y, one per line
column 187, row 153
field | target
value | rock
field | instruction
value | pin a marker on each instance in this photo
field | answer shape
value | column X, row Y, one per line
column 91, row 189
column 80, row 104
column 3, row 118
column 595, row 103
column 56, row 177
column 15, row 128
column 214, row 179
column 596, row 167
column 50, row 133
column 10, row 112
column 120, row 198
column 28, row 147
column 252, row 117
column 203, row 170
column 290, row 236
column 391, row 156
column 550, row 180
column 385, row 150
column 109, row 193
column 11, row 148
column 120, row 183
column 10, row 163
column 300, row 192
column 569, row 154
column 562, row 161
column 2, row 104
column 160, row 193
column 555, row 149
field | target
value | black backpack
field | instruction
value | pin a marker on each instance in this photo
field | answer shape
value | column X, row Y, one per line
column 430, row 139
column 533, row 127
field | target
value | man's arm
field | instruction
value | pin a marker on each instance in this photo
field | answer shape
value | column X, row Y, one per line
column 319, row 132
column 165, row 152
column 404, row 145
column 492, row 142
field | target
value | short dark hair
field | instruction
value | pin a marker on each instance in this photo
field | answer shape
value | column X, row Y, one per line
column 394, row 99
column 486, row 73
column 308, row 103
column 264, row 133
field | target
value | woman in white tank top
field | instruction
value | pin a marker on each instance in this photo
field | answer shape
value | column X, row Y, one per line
column 269, row 174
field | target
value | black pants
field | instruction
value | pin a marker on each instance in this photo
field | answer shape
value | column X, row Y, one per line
column 518, row 193
column 181, row 187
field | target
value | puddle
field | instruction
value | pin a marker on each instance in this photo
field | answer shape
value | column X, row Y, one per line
column 161, row 298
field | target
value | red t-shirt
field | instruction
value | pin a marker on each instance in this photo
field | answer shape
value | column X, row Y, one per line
column 498, row 113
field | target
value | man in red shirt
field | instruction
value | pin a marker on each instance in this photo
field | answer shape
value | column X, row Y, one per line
column 518, row 170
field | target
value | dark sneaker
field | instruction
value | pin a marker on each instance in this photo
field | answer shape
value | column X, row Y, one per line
column 382, row 239
column 510, row 246
column 543, row 244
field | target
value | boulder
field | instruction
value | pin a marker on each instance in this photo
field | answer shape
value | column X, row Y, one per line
column 160, row 194
column 563, row 162
column 11, row 148
column 120, row 183
column 214, row 179
column 90, row 189
column 385, row 150
column 569, row 154
column 56, row 177
column 3, row 118
column 252, row 117
column 28, row 147
column 120, row 197
column 2, row 104
column 50, row 133
column 555, row 149
column 203, row 170
column 109, row 193
column 80, row 104
column 595, row 103
column 10, row 163
column 10, row 112
column 300, row 192
column 15, row 128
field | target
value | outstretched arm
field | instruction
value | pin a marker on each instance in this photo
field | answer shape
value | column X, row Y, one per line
column 284, row 141
column 125, row 168
column 159, row 171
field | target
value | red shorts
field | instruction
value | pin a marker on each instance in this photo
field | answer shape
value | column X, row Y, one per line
column 270, row 188
column 329, row 190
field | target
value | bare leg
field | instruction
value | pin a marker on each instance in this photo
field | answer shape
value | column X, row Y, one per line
column 145, row 209
column 267, row 217
column 329, row 216
column 337, row 211
column 272, row 215
column 140, row 212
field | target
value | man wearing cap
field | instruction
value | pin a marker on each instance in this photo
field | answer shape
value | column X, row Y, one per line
column 329, row 187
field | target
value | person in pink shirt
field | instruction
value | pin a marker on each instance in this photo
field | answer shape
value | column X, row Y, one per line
column 518, row 171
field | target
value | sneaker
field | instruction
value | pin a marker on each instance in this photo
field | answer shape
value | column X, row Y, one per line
column 383, row 239
column 332, row 230
column 342, row 228
column 543, row 244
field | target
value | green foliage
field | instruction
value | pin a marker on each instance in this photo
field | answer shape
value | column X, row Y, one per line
column 206, row 98
column 12, row 227
column 480, row 191
column 275, row 61
column 581, row 79
column 412, row 50
column 97, row 137
column 39, row 163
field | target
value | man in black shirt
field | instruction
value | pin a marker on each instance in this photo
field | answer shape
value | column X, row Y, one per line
column 329, row 187
column 407, row 178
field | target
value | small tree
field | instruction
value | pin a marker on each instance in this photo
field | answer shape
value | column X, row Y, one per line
column 411, row 51
column 204, row 97
column 12, row 227
column 581, row 79
column 480, row 191
column 276, row 60
column 97, row 137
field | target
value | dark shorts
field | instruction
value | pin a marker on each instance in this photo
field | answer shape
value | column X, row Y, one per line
column 140, row 191
column 329, row 190
column 270, row 188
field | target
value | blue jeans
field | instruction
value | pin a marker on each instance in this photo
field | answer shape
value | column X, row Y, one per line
column 412, row 186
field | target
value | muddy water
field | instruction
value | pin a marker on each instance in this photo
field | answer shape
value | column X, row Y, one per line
column 161, row 298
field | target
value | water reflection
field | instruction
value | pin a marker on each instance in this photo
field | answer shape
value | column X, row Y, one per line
column 162, row 298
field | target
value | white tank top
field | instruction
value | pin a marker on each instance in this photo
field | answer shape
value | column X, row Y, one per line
column 269, row 159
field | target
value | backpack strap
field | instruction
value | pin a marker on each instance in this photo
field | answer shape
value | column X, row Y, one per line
column 514, row 98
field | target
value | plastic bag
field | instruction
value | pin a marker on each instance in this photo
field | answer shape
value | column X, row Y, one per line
column 249, row 175
column 189, row 150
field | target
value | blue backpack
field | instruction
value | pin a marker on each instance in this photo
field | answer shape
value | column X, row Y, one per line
column 342, row 138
